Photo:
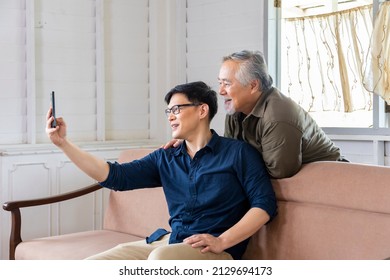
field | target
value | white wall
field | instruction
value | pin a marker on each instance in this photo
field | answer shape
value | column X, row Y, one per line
column 216, row 29
column 13, row 97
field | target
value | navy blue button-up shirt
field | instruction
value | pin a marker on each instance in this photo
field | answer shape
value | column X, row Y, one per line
column 207, row 194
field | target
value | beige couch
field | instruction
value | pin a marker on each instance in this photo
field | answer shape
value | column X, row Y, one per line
column 329, row 210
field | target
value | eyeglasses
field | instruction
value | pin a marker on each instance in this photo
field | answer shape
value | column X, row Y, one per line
column 176, row 108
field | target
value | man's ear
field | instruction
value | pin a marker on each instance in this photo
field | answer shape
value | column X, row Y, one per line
column 204, row 110
column 255, row 86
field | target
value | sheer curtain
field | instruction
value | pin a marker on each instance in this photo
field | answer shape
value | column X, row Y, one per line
column 324, row 56
column 377, row 68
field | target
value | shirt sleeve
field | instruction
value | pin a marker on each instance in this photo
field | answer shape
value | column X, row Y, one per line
column 255, row 180
column 137, row 174
column 282, row 149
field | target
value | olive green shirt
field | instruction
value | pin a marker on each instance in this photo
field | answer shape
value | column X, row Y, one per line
column 283, row 133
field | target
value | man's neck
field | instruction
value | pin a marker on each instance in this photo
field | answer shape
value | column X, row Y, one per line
column 198, row 141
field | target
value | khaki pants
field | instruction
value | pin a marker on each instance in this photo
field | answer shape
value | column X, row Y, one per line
column 157, row 250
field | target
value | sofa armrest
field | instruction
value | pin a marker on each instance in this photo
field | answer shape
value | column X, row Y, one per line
column 14, row 208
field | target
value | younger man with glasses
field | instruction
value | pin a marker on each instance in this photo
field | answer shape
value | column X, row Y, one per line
column 217, row 189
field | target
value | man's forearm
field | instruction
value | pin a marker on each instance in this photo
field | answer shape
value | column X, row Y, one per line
column 251, row 222
column 93, row 166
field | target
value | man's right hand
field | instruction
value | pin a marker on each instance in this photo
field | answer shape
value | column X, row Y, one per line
column 57, row 134
column 172, row 143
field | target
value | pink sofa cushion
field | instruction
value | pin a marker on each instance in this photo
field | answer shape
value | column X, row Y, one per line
column 74, row 246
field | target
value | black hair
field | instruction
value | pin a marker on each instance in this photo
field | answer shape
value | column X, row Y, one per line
column 197, row 92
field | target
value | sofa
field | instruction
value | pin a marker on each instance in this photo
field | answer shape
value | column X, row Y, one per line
column 327, row 211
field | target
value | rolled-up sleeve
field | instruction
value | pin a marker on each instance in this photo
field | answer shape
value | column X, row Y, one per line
column 256, row 181
column 136, row 174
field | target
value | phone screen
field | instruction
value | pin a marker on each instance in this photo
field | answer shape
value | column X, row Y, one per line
column 53, row 112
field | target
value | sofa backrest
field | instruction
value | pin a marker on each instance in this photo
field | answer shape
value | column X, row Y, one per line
column 329, row 210
column 137, row 212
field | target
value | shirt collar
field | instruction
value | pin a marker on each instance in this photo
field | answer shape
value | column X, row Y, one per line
column 211, row 145
column 259, row 109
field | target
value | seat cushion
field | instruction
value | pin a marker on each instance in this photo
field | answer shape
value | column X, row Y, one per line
column 75, row 246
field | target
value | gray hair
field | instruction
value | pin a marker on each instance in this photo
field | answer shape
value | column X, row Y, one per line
column 252, row 67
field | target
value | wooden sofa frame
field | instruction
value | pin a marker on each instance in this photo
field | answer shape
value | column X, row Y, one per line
column 16, row 219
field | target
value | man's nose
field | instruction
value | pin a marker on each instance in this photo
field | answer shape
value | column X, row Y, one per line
column 221, row 90
column 171, row 116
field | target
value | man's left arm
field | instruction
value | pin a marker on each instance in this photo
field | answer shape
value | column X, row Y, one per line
column 251, row 222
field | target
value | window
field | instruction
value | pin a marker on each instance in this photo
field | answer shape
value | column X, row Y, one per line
column 64, row 44
column 94, row 54
column 324, row 46
column 13, row 99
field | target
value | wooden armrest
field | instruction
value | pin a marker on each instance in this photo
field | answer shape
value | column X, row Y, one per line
column 14, row 208
column 13, row 205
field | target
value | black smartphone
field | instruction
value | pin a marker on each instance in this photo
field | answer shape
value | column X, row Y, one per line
column 53, row 112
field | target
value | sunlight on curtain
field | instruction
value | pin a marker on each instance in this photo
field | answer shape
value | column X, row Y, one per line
column 324, row 58
column 377, row 68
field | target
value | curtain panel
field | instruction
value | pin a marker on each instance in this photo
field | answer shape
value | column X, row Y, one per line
column 377, row 67
column 325, row 57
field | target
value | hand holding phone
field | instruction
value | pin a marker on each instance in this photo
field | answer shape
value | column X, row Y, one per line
column 53, row 110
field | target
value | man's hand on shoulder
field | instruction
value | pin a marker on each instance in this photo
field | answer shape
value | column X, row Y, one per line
column 172, row 144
